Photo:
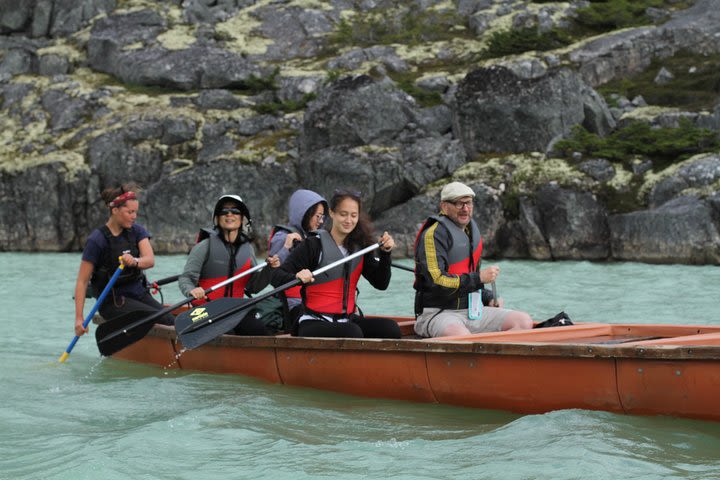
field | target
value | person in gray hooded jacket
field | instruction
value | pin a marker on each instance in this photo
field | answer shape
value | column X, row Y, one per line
column 306, row 213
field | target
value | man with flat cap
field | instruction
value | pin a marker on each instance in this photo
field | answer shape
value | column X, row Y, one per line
column 447, row 259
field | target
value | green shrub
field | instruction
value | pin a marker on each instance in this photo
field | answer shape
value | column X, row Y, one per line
column 699, row 90
column 515, row 41
column 607, row 15
column 410, row 27
column 662, row 145
column 424, row 98
column 288, row 106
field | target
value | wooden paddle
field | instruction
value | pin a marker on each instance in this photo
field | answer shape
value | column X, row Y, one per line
column 94, row 309
column 120, row 332
column 202, row 324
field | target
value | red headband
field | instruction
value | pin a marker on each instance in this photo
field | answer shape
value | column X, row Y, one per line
column 121, row 199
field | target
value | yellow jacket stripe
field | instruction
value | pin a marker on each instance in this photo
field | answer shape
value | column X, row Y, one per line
column 432, row 262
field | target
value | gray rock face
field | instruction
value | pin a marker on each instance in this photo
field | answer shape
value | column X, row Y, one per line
column 296, row 32
column 56, row 18
column 574, row 223
column 386, row 176
column 14, row 15
column 116, row 157
column 191, row 68
column 497, row 111
column 599, row 169
column 66, row 112
column 193, row 194
column 42, row 211
column 629, row 51
column 698, row 173
column 15, row 62
column 178, row 130
column 357, row 111
column 684, row 230
column 530, row 225
column 50, row 65
column 355, row 58
column 212, row 11
column 218, row 99
column 404, row 221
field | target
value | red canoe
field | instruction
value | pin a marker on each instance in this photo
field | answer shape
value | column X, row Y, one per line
column 635, row 369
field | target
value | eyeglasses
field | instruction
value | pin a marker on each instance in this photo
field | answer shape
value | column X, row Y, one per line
column 228, row 211
column 459, row 205
column 319, row 217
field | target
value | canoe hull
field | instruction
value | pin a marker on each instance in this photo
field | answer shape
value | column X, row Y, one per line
column 635, row 369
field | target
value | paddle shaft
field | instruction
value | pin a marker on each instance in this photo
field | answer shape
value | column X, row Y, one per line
column 93, row 310
column 187, row 300
column 403, row 267
column 279, row 289
column 166, row 280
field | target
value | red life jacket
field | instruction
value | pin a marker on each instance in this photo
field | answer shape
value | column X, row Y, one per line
column 218, row 265
column 333, row 292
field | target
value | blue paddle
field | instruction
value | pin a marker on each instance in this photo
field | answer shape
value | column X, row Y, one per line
column 94, row 309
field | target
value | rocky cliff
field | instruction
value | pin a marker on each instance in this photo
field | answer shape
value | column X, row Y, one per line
column 571, row 156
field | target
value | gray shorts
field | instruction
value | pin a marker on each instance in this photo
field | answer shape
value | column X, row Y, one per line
column 430, row 323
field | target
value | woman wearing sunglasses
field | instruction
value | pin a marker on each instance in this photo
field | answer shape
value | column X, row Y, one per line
column 329, row 308
column 222, row 252
column 119, row 237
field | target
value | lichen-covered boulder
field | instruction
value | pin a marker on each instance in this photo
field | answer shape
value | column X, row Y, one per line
column 574, row 223
column 683, row 230
column 698, row 172
column 497, row 110
column 357, row 111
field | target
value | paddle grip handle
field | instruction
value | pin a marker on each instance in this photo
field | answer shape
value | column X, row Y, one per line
column 166, row 280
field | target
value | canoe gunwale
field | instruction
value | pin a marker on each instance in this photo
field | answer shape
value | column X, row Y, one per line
column 567, row 350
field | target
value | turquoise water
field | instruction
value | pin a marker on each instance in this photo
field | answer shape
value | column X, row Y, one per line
column 91, row 418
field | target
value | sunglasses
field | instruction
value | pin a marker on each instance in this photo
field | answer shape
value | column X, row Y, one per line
column 228, row 211
column 341, row 192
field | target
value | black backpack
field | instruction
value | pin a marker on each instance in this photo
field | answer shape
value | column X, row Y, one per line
column 559, row 320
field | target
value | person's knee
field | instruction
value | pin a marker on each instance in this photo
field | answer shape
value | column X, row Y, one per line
column 517, row 321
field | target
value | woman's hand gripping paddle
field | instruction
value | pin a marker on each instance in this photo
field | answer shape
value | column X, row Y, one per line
column 94, row 309
column 120, row 332
column 202, row 324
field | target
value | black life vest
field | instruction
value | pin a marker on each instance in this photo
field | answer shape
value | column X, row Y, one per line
column 125, row 242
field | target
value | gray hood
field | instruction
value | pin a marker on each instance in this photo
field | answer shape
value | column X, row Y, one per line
column 299, row 203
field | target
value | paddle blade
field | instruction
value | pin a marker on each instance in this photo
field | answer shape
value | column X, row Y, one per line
column 113, row 335
column 216, row 311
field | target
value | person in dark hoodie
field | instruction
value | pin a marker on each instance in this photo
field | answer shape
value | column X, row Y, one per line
column 306, row 213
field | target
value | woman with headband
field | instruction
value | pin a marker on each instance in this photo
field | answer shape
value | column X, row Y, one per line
column 119, row 237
